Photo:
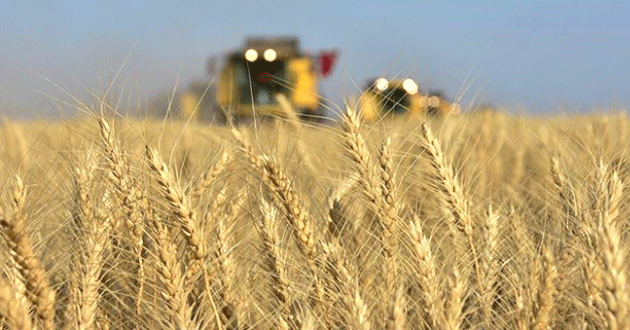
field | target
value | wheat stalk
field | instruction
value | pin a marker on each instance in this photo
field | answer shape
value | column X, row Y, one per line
column 457, row 294
column 489, row 264
column 235, row 305
column 296, row 213
column 612, row 257
column 398, row 313
column 130, row 197
column 210, row 176
column 296, row 124
column 567, row 196
column 451, row 190
column 94, row 230
column 273, row 254
column 426, row 271
column 13, row 227
column 334, row 216
column 186, row 219
column 378, row 189
column 13, row 310
column 546, row 296
column 357, row 151
column 389, row 211
column 14, row 137
column 172, row 280
column 449, row 183
column 348, row 282
column 356, row 258
column 282, row 188
column 179, row 205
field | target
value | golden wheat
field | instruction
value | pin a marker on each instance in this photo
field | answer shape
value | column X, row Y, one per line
column 33, row 276
column 13, row 310
column 358, row 226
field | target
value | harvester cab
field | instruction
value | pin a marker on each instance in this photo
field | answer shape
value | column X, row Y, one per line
column 252, row 77
column 382, row 97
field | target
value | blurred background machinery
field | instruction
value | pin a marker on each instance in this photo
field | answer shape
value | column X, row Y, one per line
column 382, row 97
column 250, row 79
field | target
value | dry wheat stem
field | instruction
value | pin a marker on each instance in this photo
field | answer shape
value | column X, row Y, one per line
column 83, row 203
column 267, row 227
column 378, row 189
column 130, row 197
column 521, row 307
column 567, row 197
column 235, row 305
column 612, row 257
column 296, row 213
column 389, row 212
column 427, row 275
column 185, row 217
column 398, row 313
column 449, row 183
column 211, row 175
column 172, row 289
column 592, row 283
column 450, row 187
column 546, row 296
column 179, row 204
column 457, row 293
column 94, row 232
column 14, row 312
column 13, row 276
column 358, row 152
column 247, row 148
column 296, row 125
column 489, row 264
column 284, row 192
column 13, row 227
column 388, row 188
column 283, row 189
column 531, row 262
column 119, row 175
column 334, row 217
column 14, row 136
column 352, row 298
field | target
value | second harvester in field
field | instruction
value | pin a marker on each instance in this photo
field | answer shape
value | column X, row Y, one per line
column 250, row 79
column 384, row 97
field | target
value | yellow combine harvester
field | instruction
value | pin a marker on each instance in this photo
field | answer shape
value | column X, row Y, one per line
column 251, row 78
column 383, row 97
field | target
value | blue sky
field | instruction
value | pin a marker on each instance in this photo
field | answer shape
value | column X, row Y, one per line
column 538, row 56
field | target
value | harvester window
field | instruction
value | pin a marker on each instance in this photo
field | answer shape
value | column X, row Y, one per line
column 395, row 100
column 265, row 79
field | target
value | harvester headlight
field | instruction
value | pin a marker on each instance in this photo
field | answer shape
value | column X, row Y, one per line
column 251, row 55
column 381, row 84
column 410, row 86
column 270, row 55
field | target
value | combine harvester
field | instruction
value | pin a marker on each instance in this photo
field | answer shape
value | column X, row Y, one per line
column 383, row 97
column 251, row 79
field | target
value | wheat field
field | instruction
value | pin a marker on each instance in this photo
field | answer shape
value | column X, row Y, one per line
column 481, row 221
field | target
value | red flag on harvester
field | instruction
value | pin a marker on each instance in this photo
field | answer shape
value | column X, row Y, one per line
column 326, row 62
